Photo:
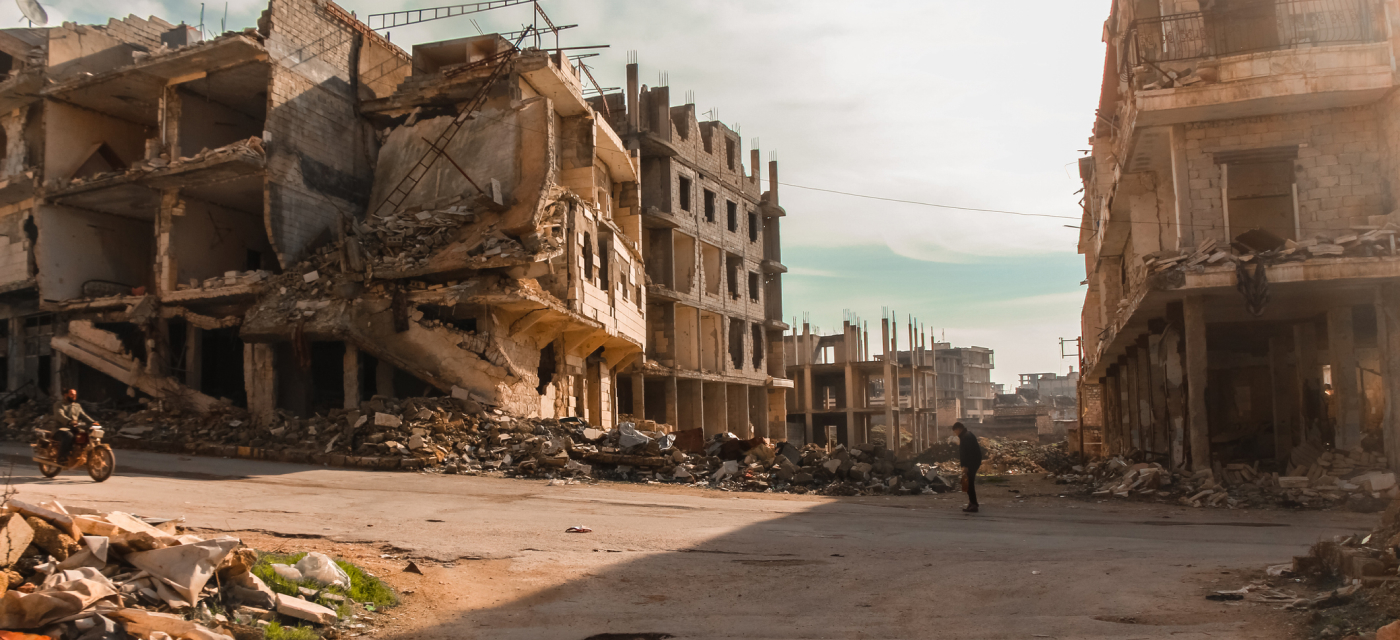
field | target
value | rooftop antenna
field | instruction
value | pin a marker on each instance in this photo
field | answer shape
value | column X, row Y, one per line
column 663, row 78
column 690, row 96
column 201, row 19
column 223, row 22
column 632, row 57
column 33, row 12
column 478, row 27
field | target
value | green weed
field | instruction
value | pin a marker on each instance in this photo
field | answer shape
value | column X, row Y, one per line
column 275, row 631
column 364, row 588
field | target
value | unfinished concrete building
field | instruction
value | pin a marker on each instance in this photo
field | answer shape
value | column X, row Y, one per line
column 1238, row 233
column 302, row 215
column 965, row 389
column 842, row 390
column 710, row 239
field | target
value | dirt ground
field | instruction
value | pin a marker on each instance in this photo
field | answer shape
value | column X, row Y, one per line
column 694, row 563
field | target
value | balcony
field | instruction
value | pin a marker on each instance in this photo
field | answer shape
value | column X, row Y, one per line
column 1263, row 58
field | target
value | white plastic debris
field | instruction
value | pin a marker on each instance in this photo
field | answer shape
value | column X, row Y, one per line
column 319, row 567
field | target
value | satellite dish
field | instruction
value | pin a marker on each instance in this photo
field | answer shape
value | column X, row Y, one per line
column 34, row 12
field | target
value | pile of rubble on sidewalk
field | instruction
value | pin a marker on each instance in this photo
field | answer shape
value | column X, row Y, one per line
column 1358, row 480
column 1346, row 585
column 70, row 573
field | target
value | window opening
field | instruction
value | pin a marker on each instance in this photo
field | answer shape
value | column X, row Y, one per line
column 709, row 206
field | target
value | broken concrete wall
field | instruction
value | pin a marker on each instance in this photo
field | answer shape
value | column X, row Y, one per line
column 80, row 142
column 206, row 124
column 15, row 246
column 77, row 246
column 75, row 49
column 490, row 147
column 15, row 142
column 319, row 150
column 208, row 240
column 381, row 68
column 1339, row 169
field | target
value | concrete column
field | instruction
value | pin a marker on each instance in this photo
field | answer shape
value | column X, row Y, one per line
column 1176, row 396
column 852, row 400
column 56, row 372
column 351, row 379
column 1181, row 189
column 1157, row 367
column 1278, row 399
column 1112, row 423
column 165, row 267
column 1132, row 408
column 15, row 354
column 260, row 379
column 1307, row 376
column 194, row 357
column 1194, row 313
column 1341, row 350
column 1388, row 321
column 384, row 379
column 1147, row 427
column 891, row 388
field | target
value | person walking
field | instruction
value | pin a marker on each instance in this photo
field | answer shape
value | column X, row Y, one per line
column 970, row 456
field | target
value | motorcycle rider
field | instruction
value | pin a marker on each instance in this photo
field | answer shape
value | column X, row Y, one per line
column 69, row 413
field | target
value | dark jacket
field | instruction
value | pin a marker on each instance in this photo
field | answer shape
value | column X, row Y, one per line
column 969, row 451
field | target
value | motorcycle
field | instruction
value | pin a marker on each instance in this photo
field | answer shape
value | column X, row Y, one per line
column 88, row 450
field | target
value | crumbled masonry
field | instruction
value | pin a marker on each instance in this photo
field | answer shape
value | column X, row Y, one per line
column 1356, row 480
column 460, row 436
column 114, row 576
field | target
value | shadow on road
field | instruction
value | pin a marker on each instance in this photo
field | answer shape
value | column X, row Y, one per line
column 858, row 569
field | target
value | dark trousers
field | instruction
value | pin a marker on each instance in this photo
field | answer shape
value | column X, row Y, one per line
column 65, row 439
column 971, row 474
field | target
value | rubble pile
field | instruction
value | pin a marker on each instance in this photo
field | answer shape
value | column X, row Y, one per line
column 1001, row 456
column 229, row 279
column 76, row 573
column 453, row 435
column 1356, row 479
column 406, row 239
column 1371, row 240
column 250, row 149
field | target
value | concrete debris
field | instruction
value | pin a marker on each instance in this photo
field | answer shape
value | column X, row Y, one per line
column 144, row 579
column 1357, row 479
column 458, row 436
column 1167, row 268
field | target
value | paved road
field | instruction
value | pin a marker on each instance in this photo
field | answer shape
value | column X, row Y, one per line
column 706, row 564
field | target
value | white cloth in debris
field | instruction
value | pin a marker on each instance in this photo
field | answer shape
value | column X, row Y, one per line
column 187, row 567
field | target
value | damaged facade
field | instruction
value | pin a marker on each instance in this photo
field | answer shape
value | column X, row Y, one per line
column 710, row 238
column 302, row 215
column 841, row 392
column 1238, row 234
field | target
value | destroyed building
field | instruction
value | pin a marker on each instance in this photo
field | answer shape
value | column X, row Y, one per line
column 302, row 215
column 842, row 389
column 965, row 388
column 710, row 240
column 1238, row 234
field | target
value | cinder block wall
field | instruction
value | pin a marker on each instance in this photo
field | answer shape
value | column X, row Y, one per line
column 1341, row 172
column 319, row 150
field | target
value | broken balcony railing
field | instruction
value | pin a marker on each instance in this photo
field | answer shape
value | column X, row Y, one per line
column 1256, row 26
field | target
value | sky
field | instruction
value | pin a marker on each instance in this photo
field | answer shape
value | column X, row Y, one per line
column 972, row 104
